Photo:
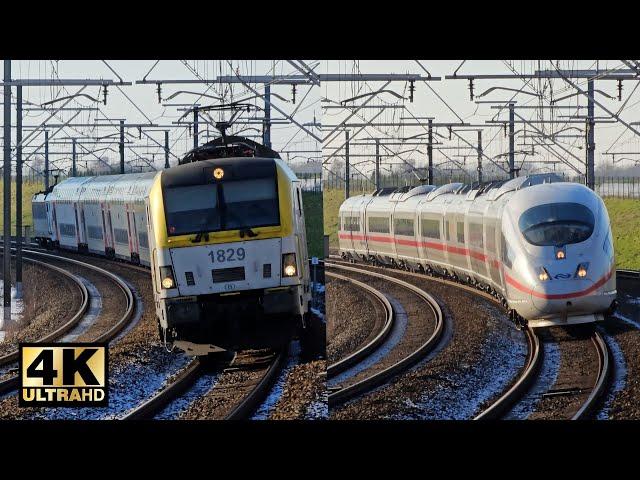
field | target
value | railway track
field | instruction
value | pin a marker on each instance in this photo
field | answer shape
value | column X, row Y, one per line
column 243, row 410
column 352, row 389
column 369, row 347
column 155, row 404
column 527, row 377
column 519, row 389
column 111, row 333
column 604, row 372
column 522, row 387
column 12, row 356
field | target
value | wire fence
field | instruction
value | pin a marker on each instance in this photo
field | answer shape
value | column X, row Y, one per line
column 359, row 183
column 310, row 182
column 617, row 187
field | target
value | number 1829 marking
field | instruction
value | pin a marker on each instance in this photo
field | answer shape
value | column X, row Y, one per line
column 228, row 255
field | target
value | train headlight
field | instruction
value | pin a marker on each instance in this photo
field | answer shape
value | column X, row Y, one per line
column 581, row 271
column 543, row 275
column 560, row 255
column 166, row 276
column 218, row 173
column 289, row 265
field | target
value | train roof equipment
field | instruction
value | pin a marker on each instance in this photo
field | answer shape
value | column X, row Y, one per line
column 228, row 146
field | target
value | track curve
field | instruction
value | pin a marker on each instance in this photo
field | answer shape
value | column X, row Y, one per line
column 424, row 349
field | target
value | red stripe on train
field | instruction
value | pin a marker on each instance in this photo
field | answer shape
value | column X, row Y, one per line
column 482, row 257
column 413, row 243
column 558, row 296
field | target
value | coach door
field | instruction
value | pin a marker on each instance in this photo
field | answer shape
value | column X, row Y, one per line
column 106, row 226
column 55, row 221
column 50, row 219
column 359, row 237
column 348, row 227
column 133, row 244
column 83, row 227
column 78, row 234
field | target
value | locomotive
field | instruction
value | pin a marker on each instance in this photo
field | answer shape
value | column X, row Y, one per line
column 223, row 234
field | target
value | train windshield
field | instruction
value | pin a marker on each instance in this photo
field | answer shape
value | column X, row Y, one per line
column 557, row 224
column 229, row 205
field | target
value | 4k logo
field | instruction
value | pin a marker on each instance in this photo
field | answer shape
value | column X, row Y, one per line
column 63, row 375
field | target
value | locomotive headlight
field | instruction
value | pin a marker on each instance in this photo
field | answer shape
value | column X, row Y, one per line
column 289, row 265
column 166, row 275
column 543, row 275
column 560, row 255
column 581, row 271
column 218, row 173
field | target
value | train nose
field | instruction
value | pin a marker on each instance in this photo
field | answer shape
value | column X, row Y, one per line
column 564, row 297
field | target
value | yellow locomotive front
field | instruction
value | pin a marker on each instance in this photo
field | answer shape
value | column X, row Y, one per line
column 229, row 254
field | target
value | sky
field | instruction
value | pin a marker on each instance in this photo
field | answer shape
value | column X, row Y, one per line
column 302, row 147
column 609, row 137
column 285, row 137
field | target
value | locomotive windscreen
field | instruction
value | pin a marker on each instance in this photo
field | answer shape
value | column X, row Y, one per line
column 237, row 200
column 192, row 209
column 557, row 224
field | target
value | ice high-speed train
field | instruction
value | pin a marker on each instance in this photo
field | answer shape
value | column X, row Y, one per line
column 542, row 246
column 223, row 233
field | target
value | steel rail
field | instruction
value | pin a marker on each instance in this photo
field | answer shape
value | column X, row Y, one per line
column 367, row 349
column 604, row 371
column 382, row 376
column 122, row 322
column 508, row 399
column 184, row 380
column 260, row 391
column 12, row 356
column 13, row 382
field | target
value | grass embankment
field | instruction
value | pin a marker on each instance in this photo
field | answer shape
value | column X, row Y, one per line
column 624, row 215
column 28, row 190
column 332, row 200
column 312, row 203
column 625, row 225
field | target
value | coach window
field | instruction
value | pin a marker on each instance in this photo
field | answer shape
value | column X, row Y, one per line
column 460, row 232
column 431, row 228
column 378, row 224
column 475, row 234
column 491, row 239
column 507, row 253
column 403, row 226
column 352, row 224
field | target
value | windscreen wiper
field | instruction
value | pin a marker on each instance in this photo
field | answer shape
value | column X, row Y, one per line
column 198, row 237
column 248, row 232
